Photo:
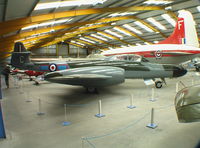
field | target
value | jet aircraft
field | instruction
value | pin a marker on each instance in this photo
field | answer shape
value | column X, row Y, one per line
column 93, row 74
column 180, row 47
column 187, row 104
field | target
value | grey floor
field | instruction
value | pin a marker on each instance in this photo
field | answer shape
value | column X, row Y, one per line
column 120, row 128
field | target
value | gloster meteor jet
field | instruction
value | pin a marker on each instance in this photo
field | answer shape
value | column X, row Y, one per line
column 181, row 46
column 93, row 74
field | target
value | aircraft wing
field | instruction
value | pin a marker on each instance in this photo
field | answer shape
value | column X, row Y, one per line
column 94, row 76
column 88, row 76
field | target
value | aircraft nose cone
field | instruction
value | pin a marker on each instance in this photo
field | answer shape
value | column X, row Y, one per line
column 179, row 71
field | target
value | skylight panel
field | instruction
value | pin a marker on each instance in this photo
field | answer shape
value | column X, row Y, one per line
column 143, row 26
column 198, row 8
column 47, row 24
column 122, row 14
column 101, row 38
column 156, row 23
column 121, row 31
column 110, row 48
column 157, row 2
column 138, row 44
column 123, row 46
column 132, row 29
column 41, row 6
column 114, row 33
column 87, row 40
column 77, row 43
column 104, row 35
column 169, row 19
column 146, row 43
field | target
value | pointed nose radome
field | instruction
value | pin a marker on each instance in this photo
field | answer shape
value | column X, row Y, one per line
column 179, row 71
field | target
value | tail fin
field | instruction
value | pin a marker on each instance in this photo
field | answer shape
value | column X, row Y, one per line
column 20, row 56
column 184, row 32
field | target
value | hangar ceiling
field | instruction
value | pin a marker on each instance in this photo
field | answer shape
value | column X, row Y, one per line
column 92, row 24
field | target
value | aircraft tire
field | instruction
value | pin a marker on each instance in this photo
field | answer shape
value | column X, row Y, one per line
column 91, row 90
column 158, row 84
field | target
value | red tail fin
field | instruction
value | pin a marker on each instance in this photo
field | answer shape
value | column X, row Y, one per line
column 178, row 36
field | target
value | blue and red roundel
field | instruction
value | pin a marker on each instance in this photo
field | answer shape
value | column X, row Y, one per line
column 53, row 67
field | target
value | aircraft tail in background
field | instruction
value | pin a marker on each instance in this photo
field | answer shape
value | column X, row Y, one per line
column 20, row 57
column 184, row 32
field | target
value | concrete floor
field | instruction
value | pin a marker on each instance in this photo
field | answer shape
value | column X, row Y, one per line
column 120, row 128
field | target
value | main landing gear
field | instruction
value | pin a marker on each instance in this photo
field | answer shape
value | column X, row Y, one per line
column 159, row 84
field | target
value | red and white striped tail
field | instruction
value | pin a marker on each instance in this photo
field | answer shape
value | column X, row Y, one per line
column 184, row 32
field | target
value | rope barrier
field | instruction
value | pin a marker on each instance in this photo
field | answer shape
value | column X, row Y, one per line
column 121, row 129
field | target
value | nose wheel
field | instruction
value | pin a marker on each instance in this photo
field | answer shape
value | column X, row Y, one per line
column 158, row 84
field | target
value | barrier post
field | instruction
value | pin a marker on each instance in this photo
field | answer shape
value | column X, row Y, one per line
column 82, row 142
column 65, row 122
column 177, row 84
column 2, row 128
column 152, row 95
column 131, row 106
column 1, row 96
column 99, row 115
column 152, row 124
column 192, row 81
column 40, row 108
column 28, row 96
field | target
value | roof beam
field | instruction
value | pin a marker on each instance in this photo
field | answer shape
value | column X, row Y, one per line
column 62, row 33
column 11, row 39
column 16, row 24
column 48, row 29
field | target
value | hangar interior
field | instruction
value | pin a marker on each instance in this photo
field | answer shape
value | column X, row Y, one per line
column 34, row 114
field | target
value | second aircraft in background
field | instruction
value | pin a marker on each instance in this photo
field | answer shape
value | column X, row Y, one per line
column 93, row 74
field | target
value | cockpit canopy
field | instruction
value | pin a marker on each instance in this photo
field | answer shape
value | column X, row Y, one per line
column 126, row 57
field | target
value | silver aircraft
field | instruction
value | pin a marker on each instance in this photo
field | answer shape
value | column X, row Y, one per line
column 187, row 104
column 94, row 74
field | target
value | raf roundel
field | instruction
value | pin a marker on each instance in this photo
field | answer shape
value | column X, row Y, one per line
column 52, row 67
column 158, row 54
